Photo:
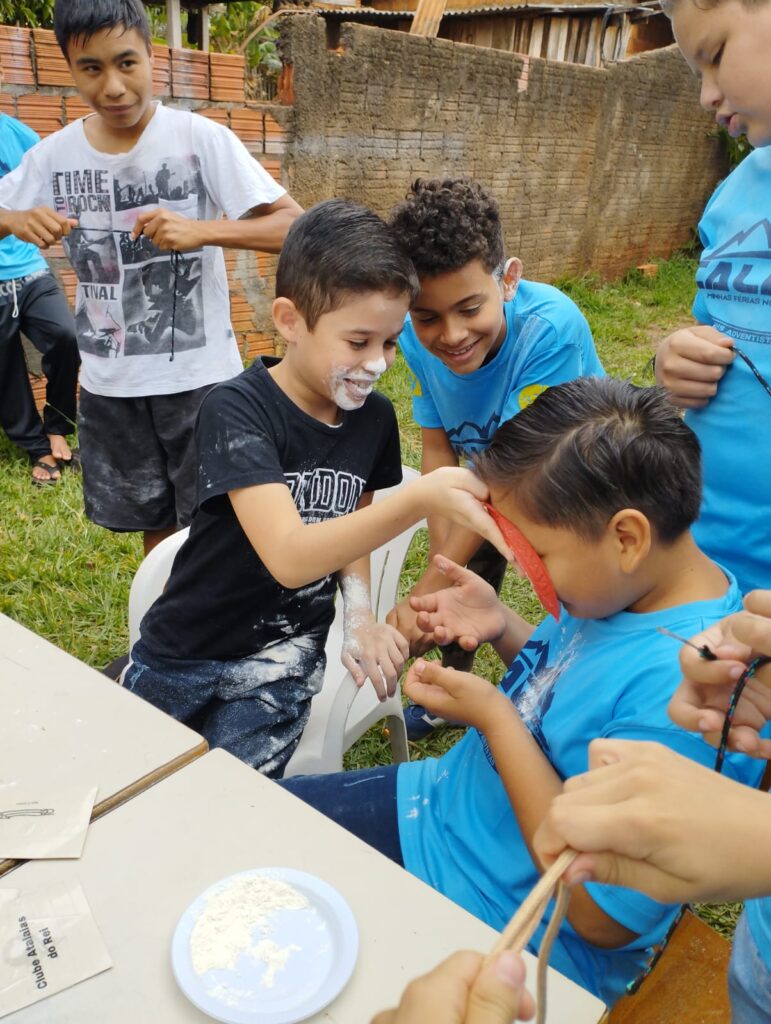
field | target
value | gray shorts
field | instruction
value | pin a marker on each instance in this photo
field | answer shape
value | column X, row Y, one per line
column 139, row 460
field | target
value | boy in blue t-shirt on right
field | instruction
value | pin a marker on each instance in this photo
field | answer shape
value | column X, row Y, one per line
column 481, row 342
column 603, row 481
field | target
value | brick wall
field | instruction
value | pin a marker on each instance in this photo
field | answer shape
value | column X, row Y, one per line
column 595, row 169
column 38, row 89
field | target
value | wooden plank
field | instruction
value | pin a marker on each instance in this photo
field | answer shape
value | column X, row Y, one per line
column 536, row 37
column 688, row 985
column 428, row 18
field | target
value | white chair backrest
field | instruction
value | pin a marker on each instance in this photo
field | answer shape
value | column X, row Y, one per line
column 150, row 579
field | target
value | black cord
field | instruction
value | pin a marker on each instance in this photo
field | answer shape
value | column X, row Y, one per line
column 761, row 379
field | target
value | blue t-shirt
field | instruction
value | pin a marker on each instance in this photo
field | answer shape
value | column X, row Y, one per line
column 734, row 281
column 16, row 258
column 547, row 342
column 573, row 681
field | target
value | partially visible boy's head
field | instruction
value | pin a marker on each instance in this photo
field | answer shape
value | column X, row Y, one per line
column 76, row 21
column 582, row 471
column 343, row 287
column 107, row 44
column 337, row 249
column 451, row 228
column 727, row 43
column 446, row 223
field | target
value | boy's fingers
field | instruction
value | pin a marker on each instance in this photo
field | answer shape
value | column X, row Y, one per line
column 498, row 994
column 451, row 570
column 759, row 603
column 354, row 668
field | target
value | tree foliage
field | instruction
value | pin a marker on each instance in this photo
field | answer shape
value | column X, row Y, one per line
column 27, row 13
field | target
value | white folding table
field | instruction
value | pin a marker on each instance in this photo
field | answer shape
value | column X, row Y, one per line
column 147, row 861
column 62, row 720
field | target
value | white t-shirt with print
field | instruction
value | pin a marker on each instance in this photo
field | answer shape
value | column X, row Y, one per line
column 148, row 322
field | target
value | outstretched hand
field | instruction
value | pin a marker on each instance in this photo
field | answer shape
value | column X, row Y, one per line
column 700, row 702
column 467, row 611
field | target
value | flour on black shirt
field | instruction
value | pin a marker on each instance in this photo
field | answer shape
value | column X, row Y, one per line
column 221, row 602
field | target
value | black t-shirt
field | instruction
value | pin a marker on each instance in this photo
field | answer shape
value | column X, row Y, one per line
column 221, row 602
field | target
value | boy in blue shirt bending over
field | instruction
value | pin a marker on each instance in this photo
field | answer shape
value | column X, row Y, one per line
column 481, row 342
column 603, row 480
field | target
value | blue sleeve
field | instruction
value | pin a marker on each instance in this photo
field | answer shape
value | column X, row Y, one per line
column 27, row 136
column 559, row 355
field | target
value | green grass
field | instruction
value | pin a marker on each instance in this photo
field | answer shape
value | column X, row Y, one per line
column 69, row 580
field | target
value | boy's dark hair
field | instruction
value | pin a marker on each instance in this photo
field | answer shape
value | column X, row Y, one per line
column 446, row 223
column 81, row 19
column 589, row 448
column 336, row 249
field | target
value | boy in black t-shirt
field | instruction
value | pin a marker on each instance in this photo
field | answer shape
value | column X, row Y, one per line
column 289, row 454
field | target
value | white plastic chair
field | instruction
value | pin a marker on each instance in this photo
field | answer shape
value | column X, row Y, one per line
column 341, row 712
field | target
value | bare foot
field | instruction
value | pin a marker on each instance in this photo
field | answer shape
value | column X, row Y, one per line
column 42, row 475
column 59, row 447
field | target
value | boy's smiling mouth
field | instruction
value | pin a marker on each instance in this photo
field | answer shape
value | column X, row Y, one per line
column 458, row 355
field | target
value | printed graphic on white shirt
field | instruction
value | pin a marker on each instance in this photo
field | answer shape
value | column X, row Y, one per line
column 133, row 299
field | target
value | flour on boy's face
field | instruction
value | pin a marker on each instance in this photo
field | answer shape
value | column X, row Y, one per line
column 113, row 72
column 350, row 386
column 337, row 364
column 728, row 46
column 458, row 316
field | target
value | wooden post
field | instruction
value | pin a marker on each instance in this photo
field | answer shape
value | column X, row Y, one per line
column 428, row 17
column 174, row 24
column 204, row 41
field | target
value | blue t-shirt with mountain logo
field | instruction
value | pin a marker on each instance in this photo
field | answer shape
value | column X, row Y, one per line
column 734, row 297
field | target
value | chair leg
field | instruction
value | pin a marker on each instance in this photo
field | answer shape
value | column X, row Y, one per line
column 397, row 734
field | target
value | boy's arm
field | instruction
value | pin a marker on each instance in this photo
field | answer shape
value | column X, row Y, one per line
column 296, row 554
column 263, row 228
column 371, row 649
column 444, row 537
column 40, row 226
column 529, row 779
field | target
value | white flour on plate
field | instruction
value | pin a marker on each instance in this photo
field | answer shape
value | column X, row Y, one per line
column 224, row 930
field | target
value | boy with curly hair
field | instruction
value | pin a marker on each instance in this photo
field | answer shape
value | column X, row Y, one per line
column 481, row 342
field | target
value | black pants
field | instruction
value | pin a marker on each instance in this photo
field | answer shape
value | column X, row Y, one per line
column 44, row 316
column 488, row 563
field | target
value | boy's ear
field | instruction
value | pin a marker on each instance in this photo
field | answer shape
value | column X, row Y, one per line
column 631, row 537
column 512, row 273
column 287, row 318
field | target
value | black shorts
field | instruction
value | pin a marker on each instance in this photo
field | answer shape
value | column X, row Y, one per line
column 139, row 461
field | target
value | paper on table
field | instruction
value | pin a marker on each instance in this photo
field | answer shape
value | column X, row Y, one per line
column 41, row 819
column 49, row 941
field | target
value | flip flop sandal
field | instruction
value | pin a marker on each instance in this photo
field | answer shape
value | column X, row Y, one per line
column 73, row 463
column 50, row 470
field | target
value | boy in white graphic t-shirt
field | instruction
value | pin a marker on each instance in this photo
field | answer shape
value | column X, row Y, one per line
column 137, row 191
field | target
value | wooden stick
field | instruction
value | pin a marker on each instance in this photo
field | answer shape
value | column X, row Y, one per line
column 526, row 919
